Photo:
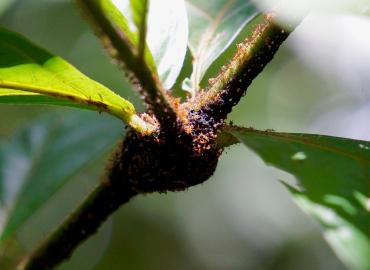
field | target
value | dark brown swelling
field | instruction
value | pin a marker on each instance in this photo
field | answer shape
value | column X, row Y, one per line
column 166, row 162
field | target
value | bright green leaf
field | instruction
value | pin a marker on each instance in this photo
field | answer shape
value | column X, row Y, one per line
column 334, row 174
column 42, row 157
column 29, row 72
column 21, row 97
column 213, row 27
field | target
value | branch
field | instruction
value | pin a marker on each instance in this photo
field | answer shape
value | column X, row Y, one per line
column 119, row 46
column 79, row 225
column 252, row 55
column 146, row 164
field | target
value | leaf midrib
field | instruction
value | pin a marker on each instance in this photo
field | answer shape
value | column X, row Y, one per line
column 34, row 60
column 54, row 92
column 288, row 137
column 206, row 40
column 209, row 33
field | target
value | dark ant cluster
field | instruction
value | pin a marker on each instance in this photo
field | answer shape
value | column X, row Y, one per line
column 183, row 152
column 166, row 162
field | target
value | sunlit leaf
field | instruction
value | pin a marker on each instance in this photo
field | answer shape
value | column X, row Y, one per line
column 42, row 157
column 28, row 74
column 213, row 26
column 10, row 96
column 334, row 184
column 168, row 37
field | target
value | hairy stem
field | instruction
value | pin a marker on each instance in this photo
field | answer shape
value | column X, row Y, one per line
column 78, row 226
column 171, row 161
column 252, row 55
column 118, row 45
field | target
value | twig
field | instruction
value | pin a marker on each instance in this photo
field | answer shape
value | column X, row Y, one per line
column 118, row 46
column 78, row 226
column 252, row 55
column 164, row 163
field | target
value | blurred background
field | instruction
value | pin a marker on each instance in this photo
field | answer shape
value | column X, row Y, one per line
column 242, row 218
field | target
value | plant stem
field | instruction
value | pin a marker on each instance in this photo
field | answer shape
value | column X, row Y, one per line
column 145, row 165
column 141, row 126
column 252, row 55
column 119, row 47
column 78, row 226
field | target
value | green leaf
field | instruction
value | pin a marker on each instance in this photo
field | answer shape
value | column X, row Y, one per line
column 213, row 27
column 10, row 96
column 334, row 176
column 168, row 37
column 42, row 157
column 29, row 73
column 167, row 33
